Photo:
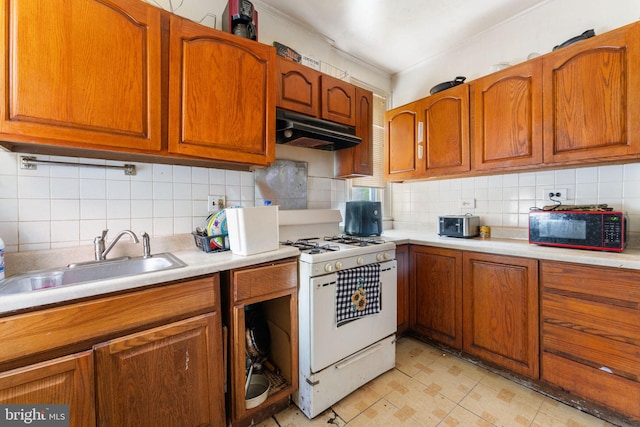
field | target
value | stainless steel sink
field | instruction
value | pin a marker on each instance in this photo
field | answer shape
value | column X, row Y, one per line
column 75, row 274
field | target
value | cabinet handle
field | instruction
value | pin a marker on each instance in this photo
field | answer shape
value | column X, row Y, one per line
column 420, row 151
column 420, row 132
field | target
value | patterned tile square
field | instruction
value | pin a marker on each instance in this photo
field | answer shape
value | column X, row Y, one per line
column 384, row 414
column 555, row 414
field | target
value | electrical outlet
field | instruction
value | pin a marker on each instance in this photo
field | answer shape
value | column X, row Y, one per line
column 468, row 203
column 555, row 194
column 215, row 203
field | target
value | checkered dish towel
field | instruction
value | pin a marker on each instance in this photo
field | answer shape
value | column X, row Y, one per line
column 357, row 293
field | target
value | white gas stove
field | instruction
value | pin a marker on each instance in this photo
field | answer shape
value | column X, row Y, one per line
column 338, row 356
column 335, row 253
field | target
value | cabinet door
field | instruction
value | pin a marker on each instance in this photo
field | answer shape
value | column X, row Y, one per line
column 446, row 131
column 358, row 160
column 168, row 376
column 500, row 311
column 82, row 73
column 66, row 380
column 338, row 100
column 404, row 146
column 273, row 289
column 436, row 294
column 591, row 107
column 402, row 259
column 591, row 334
column 298, row 88
column 221, row 95
column 507, row 113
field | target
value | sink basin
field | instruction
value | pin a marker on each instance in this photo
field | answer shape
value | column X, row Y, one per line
column 88, row 272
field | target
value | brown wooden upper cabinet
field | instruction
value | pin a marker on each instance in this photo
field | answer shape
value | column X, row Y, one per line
column 298, row 88
column 591, row 107
column 507, row 111
column 95, row 74
column 307, row 91
column 429, row 137
column 310, row 92
column 81, row 73
column 572, row 106
column 358, row 161
column 446, row 131
column 338, row 100
column 221, row 95
column 403, row 152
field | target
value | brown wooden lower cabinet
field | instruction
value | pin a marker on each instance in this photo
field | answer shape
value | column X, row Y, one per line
column 152, row 357
column 590, row 319
column 486, row 305
column 436, row 294
column 167, row 376
column 402, row 260
column 570, row 327
column 500, row 311
column 66, row 380
column 270, row 289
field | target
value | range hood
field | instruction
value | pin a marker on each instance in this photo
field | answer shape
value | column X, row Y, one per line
column 303, row 131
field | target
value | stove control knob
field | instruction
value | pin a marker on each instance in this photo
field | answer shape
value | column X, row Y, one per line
column 382, row 256
column 328, row 268
column 339, row 265
column 359, row 260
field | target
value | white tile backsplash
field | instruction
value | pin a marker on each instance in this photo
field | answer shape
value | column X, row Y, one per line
column 62, row 206
column 505, row 200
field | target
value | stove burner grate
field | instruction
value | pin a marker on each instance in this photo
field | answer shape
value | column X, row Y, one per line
column 353, row 240
column 306, row 245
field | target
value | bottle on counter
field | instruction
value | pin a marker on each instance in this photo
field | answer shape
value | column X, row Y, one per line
column 1, row 258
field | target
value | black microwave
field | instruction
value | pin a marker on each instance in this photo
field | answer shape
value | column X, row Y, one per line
column 601, row 231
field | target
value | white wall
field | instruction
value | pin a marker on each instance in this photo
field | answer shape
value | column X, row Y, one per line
column 504, row 200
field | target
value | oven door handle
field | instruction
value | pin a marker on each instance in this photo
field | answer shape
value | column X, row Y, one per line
column 358, row 356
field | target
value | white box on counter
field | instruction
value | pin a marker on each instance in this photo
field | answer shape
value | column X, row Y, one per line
column 253, row 230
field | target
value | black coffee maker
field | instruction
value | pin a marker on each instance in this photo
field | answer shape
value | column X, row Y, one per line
column 240, row 18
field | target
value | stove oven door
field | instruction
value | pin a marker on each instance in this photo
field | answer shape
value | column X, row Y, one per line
column 331, row 343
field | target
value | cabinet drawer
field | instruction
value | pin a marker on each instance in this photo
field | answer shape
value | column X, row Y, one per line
column 596, row 334
column 589, row 315
column 80, row 324
column 266, row 279
column 613, row 286
column 594, row 384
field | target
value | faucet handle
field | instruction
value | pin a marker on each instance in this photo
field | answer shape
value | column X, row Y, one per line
column 100, row 239
column 146, row 245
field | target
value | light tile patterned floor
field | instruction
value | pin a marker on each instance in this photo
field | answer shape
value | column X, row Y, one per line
column 429, row 387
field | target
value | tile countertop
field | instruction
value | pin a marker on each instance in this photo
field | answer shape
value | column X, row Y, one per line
column 630, row 258
column 198, row 264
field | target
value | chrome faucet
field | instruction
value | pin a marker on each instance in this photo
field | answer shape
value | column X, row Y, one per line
column 99, row 243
